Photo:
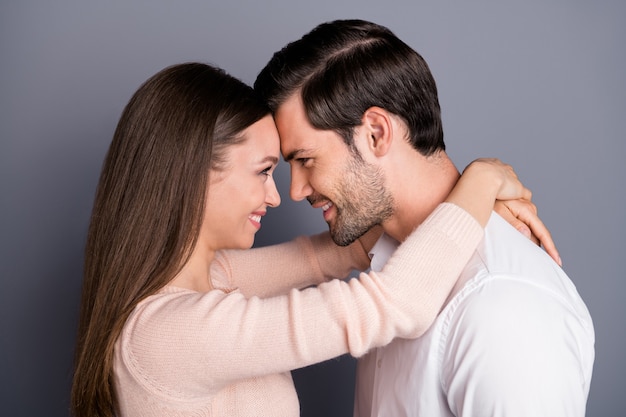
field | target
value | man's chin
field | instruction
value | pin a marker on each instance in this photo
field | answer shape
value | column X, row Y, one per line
column 344, row 239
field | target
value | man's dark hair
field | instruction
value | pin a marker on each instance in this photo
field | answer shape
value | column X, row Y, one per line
column 342, row 68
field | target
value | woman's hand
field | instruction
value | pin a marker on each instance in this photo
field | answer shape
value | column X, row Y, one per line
column 522, row 214
column 486, row 180
column 483, row 182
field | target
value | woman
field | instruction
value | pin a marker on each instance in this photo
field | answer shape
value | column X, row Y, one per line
column 188, row 174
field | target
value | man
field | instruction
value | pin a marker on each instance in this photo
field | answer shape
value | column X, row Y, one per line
column 359, row 121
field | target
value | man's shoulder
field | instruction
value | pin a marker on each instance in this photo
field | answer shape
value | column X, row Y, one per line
column 509, row 275
column 505, row 254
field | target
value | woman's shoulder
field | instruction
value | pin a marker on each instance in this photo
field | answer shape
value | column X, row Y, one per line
column 173, row 316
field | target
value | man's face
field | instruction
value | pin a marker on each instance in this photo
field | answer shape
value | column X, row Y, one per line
column 350, row 191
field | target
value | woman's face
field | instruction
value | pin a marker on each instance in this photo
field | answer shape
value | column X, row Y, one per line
column 239, row 195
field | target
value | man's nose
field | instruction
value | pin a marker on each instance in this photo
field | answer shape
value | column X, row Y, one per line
column 300, row 187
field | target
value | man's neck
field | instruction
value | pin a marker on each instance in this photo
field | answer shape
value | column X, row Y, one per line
column 419, row 184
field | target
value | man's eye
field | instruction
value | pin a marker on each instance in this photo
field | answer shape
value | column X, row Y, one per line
column 304, row 161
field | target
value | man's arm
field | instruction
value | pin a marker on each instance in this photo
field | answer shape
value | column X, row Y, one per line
column 516, row 349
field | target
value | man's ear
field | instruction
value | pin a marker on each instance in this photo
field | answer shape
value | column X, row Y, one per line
column 378, row 127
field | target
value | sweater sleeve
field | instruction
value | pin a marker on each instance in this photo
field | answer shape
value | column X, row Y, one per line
column 302, row 262
column 189, row 342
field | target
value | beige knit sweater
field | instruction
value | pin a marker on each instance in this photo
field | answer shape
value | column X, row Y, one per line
column 184, row 353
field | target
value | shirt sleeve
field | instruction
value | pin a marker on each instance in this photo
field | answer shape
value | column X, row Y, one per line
column 181, row 341
column 516, row 349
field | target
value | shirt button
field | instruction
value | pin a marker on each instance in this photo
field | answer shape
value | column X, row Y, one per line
column 379, row 363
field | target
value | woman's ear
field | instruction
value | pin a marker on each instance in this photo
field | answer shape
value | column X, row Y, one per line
column 378, row 127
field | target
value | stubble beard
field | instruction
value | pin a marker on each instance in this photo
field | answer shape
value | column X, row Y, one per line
column 362, row 202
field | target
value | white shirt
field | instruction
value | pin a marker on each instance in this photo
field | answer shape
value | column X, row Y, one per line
column 514, row 339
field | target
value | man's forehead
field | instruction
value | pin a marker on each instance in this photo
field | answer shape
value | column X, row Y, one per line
column 293, row 129
column 298, row 138
column 291, row 108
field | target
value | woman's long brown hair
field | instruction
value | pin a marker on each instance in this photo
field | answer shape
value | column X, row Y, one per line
column 149, row 206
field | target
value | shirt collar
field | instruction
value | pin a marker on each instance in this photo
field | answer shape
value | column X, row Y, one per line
column 381, row 251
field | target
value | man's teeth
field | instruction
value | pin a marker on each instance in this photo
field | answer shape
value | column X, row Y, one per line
column 256, row 218
column 327, row 206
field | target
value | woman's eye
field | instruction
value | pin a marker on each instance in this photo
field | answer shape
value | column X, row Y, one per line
column 266, row 171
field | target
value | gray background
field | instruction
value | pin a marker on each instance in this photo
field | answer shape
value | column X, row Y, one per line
column 538, row 84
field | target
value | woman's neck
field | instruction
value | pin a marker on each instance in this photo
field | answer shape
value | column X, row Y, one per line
column 195, row 275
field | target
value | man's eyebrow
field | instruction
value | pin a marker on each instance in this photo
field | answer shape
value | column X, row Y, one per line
column 293, row 154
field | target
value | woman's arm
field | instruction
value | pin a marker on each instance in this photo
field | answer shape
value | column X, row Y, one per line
column 302, row 262
column 307, row 261
column 225, row 337
column 521, row 213
column 182, row 340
